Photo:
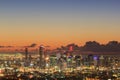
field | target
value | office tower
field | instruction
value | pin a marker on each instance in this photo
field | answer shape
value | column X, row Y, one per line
column 90, row 59
column 95, row 58
column 78, row 60
column 41, row 56
column 53, row 60
column 101, row 63
column 26, row 53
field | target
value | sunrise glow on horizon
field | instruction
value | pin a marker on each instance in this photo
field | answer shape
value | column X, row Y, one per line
column 58, row 22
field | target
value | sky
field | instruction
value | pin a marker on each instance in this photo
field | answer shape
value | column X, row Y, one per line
column 58, row 22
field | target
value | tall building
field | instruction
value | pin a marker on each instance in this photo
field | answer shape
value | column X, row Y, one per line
column 26, row 57
column 53, row 60
column 95, row 58
column 101, row 62
column 41, row 56
column 26, row 53
column 90, row 59
column 78, row 60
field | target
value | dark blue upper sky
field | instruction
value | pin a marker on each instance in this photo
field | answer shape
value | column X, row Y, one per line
column 61, row 4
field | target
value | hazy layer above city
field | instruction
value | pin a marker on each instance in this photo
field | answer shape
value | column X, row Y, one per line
column 92, row 46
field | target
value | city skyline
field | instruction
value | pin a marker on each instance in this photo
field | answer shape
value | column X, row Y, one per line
column 56, row 23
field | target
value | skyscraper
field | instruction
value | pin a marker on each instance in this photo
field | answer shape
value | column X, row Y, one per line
column 26, row 53
column 41, row 54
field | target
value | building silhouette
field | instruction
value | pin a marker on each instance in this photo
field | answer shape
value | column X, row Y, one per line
column 41, row 57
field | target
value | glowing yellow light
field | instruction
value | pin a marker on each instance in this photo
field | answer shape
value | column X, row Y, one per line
column 47, row 58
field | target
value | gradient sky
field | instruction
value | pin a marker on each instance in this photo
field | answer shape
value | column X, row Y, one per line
column 58, row 22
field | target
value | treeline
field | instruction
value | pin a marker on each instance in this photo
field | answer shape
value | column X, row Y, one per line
column 111, row 46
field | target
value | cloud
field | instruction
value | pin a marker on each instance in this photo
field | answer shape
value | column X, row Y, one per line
column 33, row 45
column 2, row 46
column 6, row 46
